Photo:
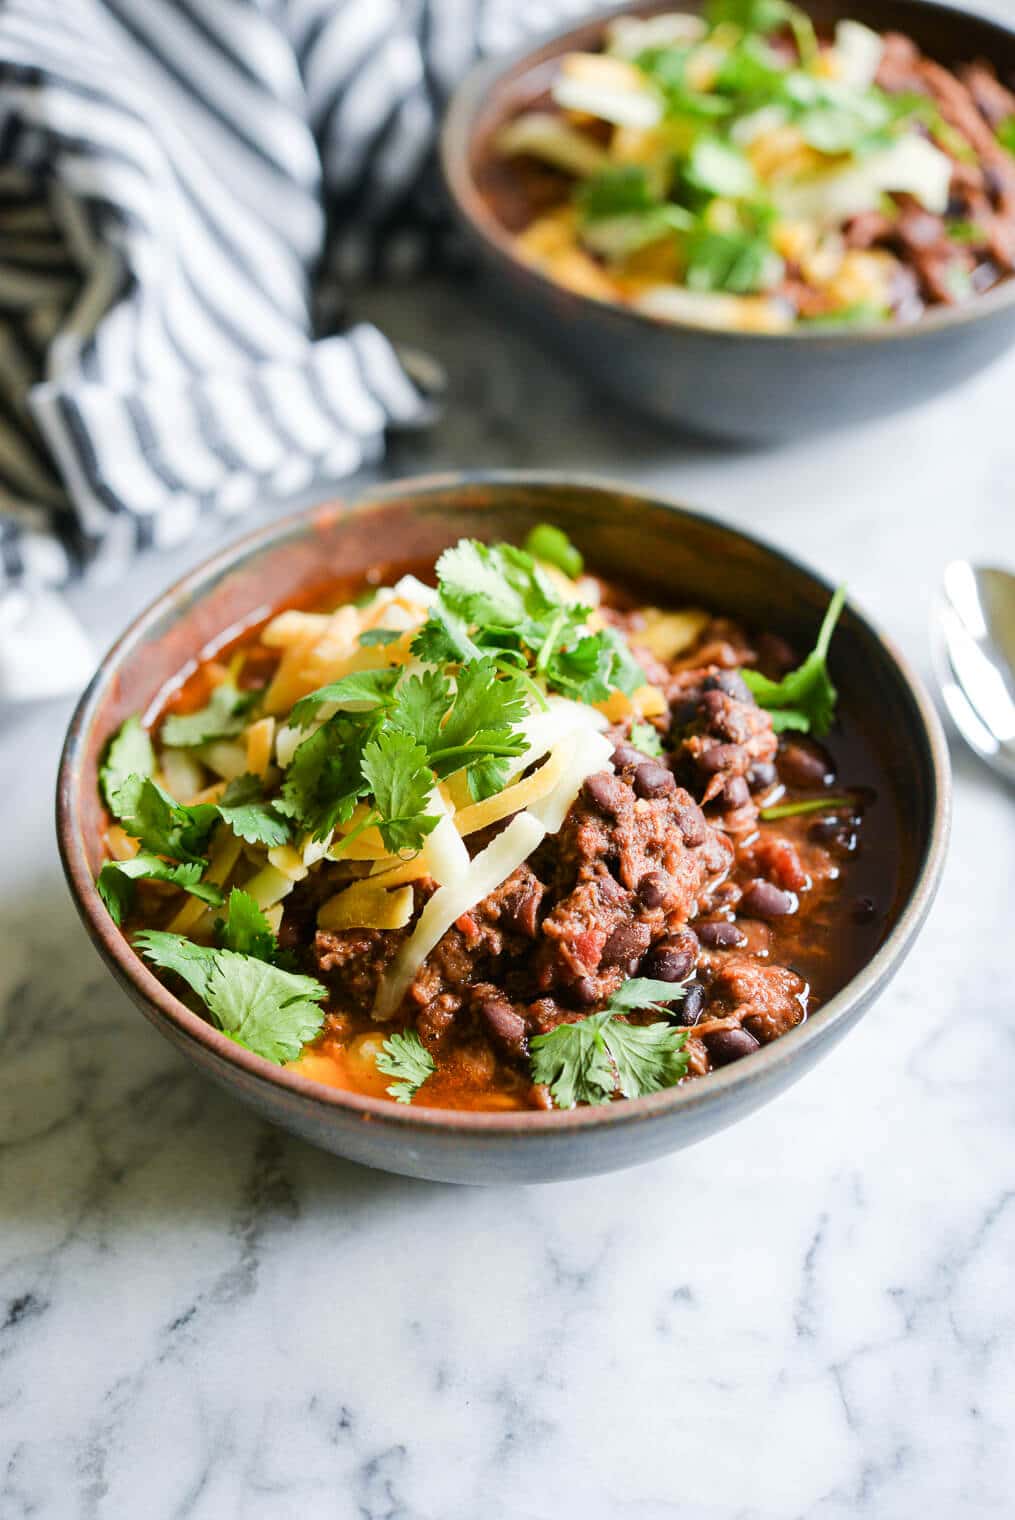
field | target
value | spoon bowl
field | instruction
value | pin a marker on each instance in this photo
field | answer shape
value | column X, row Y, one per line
column 974, row 651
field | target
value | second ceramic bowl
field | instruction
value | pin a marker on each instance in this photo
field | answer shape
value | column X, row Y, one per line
column 753, row 386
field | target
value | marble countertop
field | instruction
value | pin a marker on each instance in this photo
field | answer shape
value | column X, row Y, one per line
column 810, row 1315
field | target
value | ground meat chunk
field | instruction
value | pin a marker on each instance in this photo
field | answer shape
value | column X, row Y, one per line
column 766, row 1000
column 600, row 926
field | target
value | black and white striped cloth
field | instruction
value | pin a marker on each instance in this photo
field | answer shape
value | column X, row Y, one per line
column 188, row 190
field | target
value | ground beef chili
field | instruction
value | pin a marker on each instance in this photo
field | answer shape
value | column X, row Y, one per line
column 663, row 868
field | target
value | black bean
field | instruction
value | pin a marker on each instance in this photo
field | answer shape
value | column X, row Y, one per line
column 761, row 775
column 628, row 942
column 584, row 991
column 690, row 1010
column 691, row 822
column 505, row 1026
column 732, row 683
column 762, row 899
column 653, row 780
column 727, row 1045
column 720, row 934
column 684, row 713
column 736, row 793
column 653, row 888
column 671, row 959
column 721, row 757
column 626, row 754
column 605, row 792
column 804, row 763
column 712, row 705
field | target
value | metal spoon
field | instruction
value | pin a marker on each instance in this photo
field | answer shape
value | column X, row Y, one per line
column 974, row 656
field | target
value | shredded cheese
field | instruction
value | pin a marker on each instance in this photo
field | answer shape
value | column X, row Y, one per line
column 260, row 737
column 513, row 798
column 366, row 905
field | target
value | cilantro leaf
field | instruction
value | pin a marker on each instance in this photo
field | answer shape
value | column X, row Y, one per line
column 375, row 638
column 404, row 1055
column 272, row 1012
column 245, row 929
column 396, row 769
column 644, row 994
column 225, row 715
column 475, row 584
column 162, row 825
column 740, row 261
column 420, row 705
column 486, row 709
column 1006, row 134
column 117, row 877
column 593, row 667
column 324, row 782
column 574, row 1063
column 444, row 639
column 718, row 168
column 645, row 738
column 176, row 953
column 552, row 545
column 590, row 1061
column 363, row 689
column 805, row 698
column 130, row 753
column 613, row 192
column 648, row 1057
column 250, row 817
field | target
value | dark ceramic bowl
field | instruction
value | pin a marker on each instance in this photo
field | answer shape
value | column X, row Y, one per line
column 753, row 386
column 676, row 555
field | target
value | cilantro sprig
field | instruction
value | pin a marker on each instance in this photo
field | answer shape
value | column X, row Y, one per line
column 269, row 1010
column 403, row 1055
column 805, row 698
column 602, row 1055
column 225, row 715
column 494, row 600
column 117, row 879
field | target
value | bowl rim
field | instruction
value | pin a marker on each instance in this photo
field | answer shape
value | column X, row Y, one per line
column 454, row 147
column 162, row 1005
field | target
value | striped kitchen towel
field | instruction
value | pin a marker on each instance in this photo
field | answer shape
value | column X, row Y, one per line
column 188, row 191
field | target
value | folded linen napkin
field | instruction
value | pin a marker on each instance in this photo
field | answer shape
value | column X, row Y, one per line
column 188, row 188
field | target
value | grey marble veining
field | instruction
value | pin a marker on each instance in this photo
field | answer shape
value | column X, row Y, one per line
column 810, row 1315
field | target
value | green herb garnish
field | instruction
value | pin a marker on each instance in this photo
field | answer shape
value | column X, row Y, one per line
column 1006, row 134
column 553, row 547
column 379, row 637
column 250, row 817
column 271, row 1012
column 245, row 929
column 592, row 1060
column 805, row 698
column 117, row 878
column 812, row 805
column 130, row 753
column 645, row 738
column 226, row 714
column 404, row 1055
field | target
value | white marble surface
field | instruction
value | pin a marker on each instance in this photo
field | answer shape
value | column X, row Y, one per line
column 811, row 1315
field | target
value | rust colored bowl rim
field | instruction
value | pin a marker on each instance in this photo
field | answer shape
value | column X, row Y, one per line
column 455, row 149
column 132, row 972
